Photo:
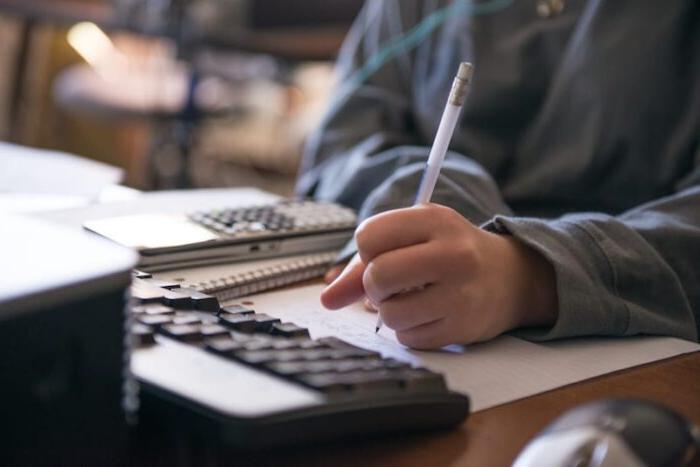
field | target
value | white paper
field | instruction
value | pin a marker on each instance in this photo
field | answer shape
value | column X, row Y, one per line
column 492, row 373
column 30, row 170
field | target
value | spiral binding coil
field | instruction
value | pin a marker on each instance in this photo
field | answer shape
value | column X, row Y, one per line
column 242, row 284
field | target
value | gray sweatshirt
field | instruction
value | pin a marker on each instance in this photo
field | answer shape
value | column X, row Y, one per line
column 580, row 138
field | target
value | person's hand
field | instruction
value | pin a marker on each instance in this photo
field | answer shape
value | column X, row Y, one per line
column 436, row 279
column 354, row 268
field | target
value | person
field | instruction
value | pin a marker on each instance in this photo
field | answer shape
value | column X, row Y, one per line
column 569, row 203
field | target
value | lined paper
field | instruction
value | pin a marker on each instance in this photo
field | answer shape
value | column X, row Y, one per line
column 492, row 373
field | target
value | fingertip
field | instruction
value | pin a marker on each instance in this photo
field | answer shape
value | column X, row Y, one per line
column 332, row 274
column 345, row 289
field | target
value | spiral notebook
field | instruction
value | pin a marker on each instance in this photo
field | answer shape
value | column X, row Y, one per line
column 234, row 280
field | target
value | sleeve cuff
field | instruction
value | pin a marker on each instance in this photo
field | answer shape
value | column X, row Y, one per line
column 583, row 277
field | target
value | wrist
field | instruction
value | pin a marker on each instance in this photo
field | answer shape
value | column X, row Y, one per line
column 534, row 281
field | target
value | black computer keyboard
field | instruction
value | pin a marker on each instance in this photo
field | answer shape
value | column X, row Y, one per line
column 256, row 381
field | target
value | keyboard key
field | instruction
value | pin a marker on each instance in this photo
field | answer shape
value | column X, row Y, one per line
column 287, row 344
column 224, row 346
column 142, row 335
column 186, row 319
column 330, row 383
column 264, row 322
column 345, row 366
column 377, row 380
column 243, row 337
column 325, row 366
column 181, row 332
column 154, row 320
column 143, row 295
column 345, row 349
column 258, row 357
column 422, row 380
column 314, row 354
column 161, row 283
column 213, row 330
column 336, row 343
column 352, row 353
column 237, row 310
column 176, row 299
column 204, row 302
column 288, row 330
column 156, row 309
column 309, row 344
column 141, row 309
column 261, row 343
column 360, row 381
column 245, row 323
column 288, row 368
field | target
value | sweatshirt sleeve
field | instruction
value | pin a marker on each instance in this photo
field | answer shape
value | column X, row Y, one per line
column 367, row 154
column 636, row 273
column 364, row 118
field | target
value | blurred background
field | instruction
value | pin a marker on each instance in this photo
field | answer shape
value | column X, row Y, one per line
column 170, row 93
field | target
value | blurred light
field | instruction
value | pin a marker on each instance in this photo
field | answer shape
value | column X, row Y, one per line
column 91, row 43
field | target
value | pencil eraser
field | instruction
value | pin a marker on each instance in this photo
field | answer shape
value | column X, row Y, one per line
column 465, row 71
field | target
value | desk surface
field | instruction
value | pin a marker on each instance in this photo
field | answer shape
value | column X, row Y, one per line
column 491, row 437
column 494, row 437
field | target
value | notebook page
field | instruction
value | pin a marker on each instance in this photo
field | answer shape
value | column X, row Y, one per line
column 493, row 373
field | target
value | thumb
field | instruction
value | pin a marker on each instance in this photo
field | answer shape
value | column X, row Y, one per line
column 346, row 288
column 333, row 273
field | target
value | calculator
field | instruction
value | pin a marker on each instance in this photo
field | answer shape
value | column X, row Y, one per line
column 288, row 227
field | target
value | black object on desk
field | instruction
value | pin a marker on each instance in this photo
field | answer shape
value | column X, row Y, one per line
column 234, row 378
column 62, row 295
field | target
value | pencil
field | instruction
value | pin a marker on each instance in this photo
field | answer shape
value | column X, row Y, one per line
column 458, row 93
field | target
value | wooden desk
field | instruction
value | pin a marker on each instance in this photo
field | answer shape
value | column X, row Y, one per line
column 488, row 438
column 495, row 436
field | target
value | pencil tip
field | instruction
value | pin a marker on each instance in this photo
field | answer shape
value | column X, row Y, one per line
column 376, row 330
